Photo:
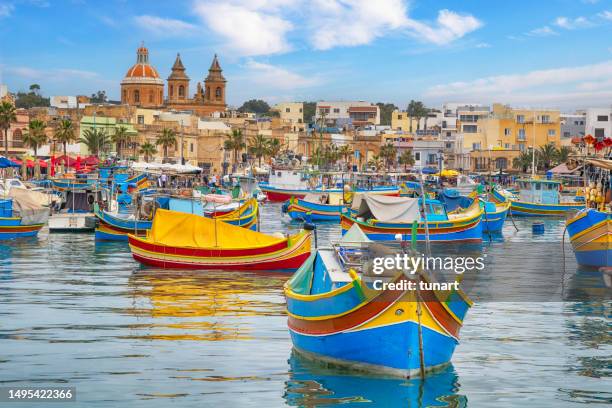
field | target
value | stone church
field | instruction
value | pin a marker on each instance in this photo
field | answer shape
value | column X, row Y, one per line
column 143, row 87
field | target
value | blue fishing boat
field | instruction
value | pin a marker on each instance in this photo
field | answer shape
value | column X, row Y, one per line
column 315, row 207
column 21, row 214
column 537, row 197
column 383, row 218
column 493, row 214
column 590, row 233
column 342, row 316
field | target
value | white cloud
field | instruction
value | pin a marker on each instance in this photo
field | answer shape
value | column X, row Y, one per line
column 278, row 78
column 6, row 10
column 562, row 86
column 58, row 74
column 573, row 23
column 607, row 15
column 248, row 32
column 450, row 27
column 542, row 32
column 262, row 27
column 164, row 26
column 483, row 45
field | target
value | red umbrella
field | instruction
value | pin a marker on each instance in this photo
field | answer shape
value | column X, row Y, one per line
column 77, row 164
column 52, row 166
column 608, row 141
column 589, row 139
column 91, row 160
column 599, row 146
column 66, row 161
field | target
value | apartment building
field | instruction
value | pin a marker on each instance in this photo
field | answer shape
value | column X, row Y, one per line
column 347, row 113
column 599, row 122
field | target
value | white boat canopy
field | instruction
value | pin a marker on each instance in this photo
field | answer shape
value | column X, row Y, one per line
column 387, row 208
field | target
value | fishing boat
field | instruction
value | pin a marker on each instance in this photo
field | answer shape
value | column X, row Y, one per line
column 537, row 197
column 590, row 229
column 382, row 218
column 315, row 207
column 280, row 194
column 337, row 313
column 493, row 213
column 115, row 226
column 21, row 214
column 189, row 241
column 76, row 212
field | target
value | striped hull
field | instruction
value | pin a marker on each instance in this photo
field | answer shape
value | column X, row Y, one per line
column 469, row 230
column 525, row 209
column 494, row 222
column 11, row 228
column 590, row 233
column 281, row 194
column 306, row 211
column 279, row 257
column 379, row 333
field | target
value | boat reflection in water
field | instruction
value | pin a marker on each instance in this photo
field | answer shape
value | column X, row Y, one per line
column 312, row 384
column 210, row 306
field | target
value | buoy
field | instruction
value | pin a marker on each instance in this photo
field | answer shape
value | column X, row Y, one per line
column 537, row 227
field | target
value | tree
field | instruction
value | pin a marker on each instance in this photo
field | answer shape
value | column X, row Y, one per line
column 309, row 111
column 95, row 139
column 31, row 99
column 258, row 146
column 35, row 88
column 7, row 116
column 35, row 137
column 345, row 152
column 120, row 138
column 377, row 162
column 235, row 143
column 563, row 153
column 148, row 150
column 166, row 139
column 416, row 110
column 406, row 159
column 98, row 97
column 522, row 161
column 256, row 106
column 388, row 153
column 65, row 133
column 386, row 109
column 547, row 154
column 274, row 147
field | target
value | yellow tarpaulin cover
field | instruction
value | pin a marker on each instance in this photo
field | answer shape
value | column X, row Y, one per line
column 179, row 229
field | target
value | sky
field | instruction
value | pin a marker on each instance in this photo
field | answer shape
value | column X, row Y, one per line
column 553, row 53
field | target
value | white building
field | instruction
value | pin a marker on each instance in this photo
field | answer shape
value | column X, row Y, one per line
column 291, row 114
column 599, row 122
column 352, row 113
column 65, row 102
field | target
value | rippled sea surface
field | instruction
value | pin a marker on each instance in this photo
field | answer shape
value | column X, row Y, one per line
column 78, row 313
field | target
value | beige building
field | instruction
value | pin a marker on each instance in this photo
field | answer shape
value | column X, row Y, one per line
column 291, row 114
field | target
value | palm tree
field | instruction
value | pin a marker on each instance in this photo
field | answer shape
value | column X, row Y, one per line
column 65, row 133
column 235, row 143
column 166, row 139
column 331, row 154
column 7, row 116
column 35, row 137
column 376, row 162
column 345, row 152
column 406, row 159
column 120, row 138
column 522, row 161
column 547, row 154
column 274, row 147
column 148, row 149
column 95, row 139
column 258, row 146
column 563, row 153
column 388, row 153
column 417, row 110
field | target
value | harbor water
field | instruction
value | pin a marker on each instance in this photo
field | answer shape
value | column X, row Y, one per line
column 78, row 313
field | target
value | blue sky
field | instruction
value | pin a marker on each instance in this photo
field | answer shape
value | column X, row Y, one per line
column 553, row 53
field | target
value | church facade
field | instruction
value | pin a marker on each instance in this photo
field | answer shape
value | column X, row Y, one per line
column 143, row 87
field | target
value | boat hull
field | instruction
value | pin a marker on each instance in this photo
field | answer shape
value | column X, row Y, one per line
column 469, row 230
column 11, row 228
column 590, row 233
column 525, row 209
column 306, row 211
column 281, row 257
column 281, row 194
column 494, row 222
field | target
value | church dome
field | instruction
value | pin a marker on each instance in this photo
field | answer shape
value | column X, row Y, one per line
column 142, row 72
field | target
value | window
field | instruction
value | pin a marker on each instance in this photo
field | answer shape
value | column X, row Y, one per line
column 218, row 92
column 191, row 147
column 599, row 133
column 520, row 118
column 336, row 110
column 522, row 147
column 300, row 110
column 566, row 134
column 545, row 118
column 552, row 132
column 501, row 163
column 506, row 145
column 399, row 117
column 299, row 120
column 448, row 145
column 521, row 134
column 136, row 96
column 141, row 119
column 507, row 132
column 476, row 146
column 468, row 118
column 602, row 118
column 181, row 90
column 417, row 156
column 288, row 110
column 448, row 134
column 470, row 128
